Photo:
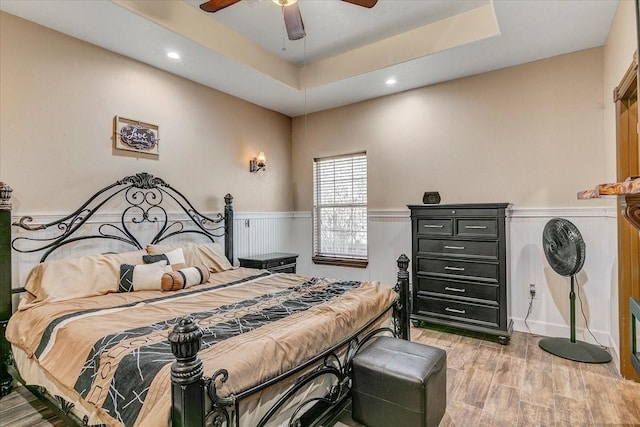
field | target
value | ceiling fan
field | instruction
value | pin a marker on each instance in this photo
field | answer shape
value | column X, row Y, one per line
column 290, row 10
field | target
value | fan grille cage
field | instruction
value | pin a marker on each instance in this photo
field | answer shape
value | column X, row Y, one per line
column 563, row 246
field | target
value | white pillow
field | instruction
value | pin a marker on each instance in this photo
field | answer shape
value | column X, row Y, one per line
column 174, row 258
column 143, row 277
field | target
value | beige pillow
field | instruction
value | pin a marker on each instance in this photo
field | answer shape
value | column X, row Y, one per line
column 208, row 254
column 86, row 276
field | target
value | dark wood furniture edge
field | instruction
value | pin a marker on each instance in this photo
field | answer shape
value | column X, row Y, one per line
column 632, row 209
column 6, row 380
column 268, row 256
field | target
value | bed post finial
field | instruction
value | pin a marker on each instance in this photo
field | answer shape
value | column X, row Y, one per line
column 6, row 381
column 187, row 385
column 228, row 227
column 5, row 196
column 402, row 307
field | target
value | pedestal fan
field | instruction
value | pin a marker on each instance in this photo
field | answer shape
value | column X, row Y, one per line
column 565, row 250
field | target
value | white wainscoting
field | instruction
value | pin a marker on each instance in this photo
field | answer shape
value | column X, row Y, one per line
column 390, row 236
column 597, row 282
column 253, row 233
column 259, row 233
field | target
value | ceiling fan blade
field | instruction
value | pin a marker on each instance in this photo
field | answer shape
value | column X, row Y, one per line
column 216, row 5
column 363, row 3
column 293, row 22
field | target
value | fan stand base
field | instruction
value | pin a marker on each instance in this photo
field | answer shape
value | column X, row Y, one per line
column 578, row 351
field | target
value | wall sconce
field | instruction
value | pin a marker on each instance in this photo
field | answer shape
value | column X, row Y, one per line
column 258, row 163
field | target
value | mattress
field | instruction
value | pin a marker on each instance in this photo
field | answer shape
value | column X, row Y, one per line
column 109, row 354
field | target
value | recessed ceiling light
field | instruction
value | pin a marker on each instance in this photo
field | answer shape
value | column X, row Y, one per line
column 173, row 55
column 391, row 81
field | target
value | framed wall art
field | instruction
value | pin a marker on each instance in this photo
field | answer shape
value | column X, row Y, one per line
column 136, row 136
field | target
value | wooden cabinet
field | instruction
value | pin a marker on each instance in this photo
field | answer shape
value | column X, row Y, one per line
column 275, row 262
column 460, row 267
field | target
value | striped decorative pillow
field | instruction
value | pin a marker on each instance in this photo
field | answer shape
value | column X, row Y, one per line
column 184, row 278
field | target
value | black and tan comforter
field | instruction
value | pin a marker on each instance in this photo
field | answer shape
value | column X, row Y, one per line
column 112, row 350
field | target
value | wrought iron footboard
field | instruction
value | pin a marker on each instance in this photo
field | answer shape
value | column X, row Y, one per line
column 190, row 387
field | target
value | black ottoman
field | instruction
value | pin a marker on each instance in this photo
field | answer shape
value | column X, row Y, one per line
column 399, row 383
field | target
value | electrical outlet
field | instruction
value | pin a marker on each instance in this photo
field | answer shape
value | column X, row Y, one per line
column 532, row 290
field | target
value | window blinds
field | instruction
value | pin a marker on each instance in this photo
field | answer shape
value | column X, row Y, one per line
column 340, row 206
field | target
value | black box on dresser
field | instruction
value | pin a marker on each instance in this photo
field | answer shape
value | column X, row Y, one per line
column 460, row 267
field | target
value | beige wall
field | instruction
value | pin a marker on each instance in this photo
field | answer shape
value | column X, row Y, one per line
column 58, row 99
column 618, row 53
column 531, row 135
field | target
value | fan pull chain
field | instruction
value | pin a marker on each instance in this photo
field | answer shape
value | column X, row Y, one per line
column 304, row 70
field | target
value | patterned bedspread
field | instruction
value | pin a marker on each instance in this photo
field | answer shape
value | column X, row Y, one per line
column 113, row 351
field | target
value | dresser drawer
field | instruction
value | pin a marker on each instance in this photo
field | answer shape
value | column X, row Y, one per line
column 287, row 268
column 435, row 226
column 458, row 289
column 470, row 248
column 456, row 310
column 469, row 269
column 279, row 263
column 476, row 227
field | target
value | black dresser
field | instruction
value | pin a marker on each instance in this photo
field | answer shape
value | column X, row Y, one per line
column 276, row 262
column 460, row 267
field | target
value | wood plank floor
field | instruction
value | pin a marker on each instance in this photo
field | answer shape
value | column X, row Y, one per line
column 22, row 409
column 521, row 385
column 487, row 385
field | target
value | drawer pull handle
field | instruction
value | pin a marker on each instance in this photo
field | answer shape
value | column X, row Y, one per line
column 459, row 248
column 453, row 310
column 433, row 226
column 476, row 227
column 454, row 268
column 454, row 289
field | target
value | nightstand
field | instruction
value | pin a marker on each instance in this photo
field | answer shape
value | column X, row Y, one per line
column 275, row 262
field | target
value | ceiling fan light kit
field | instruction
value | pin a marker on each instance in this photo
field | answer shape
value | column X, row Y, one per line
column 565, row 249
column 284, row 3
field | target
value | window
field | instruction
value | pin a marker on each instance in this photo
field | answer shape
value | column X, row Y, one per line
column 340, row 210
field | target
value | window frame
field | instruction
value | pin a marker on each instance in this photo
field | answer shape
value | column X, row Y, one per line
column 343, row 260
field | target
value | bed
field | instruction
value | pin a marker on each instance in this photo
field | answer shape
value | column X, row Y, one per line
column 206, row 344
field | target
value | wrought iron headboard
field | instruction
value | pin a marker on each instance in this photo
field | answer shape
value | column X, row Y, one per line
column 143, row 196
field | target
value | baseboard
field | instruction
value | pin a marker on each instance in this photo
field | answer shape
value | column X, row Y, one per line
column 557, row 330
